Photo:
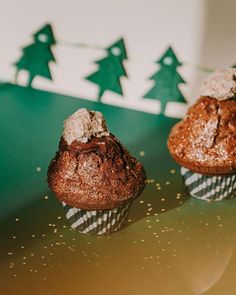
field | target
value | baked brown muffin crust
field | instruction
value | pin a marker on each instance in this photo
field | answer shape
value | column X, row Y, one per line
column 205, row 140
column 100, row 174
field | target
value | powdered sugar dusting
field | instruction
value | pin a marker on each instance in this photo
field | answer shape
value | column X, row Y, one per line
column 220, row 85
column 84, row 124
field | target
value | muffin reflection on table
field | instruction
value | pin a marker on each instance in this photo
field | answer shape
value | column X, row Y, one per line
column 204, row 142
column 93, row 175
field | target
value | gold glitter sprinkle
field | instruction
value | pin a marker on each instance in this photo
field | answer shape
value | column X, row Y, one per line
column 142, row 153
column 22, row 247
column 46, row 197
column 10, row 253
column 150, row 181
column 163, row 199
column 17, row 219
column 33, row 236
column 172, row 171
column 141, row 202
column 167, row 182
column 32, row 254
column 58, row 217
column 14, row 237
column 38, row 169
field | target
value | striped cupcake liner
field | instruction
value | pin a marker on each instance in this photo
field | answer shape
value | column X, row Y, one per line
column 97, row 222
column 209, row 188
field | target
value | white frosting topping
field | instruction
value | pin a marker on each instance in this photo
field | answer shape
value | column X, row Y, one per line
column 84, row 124
column 221, row 84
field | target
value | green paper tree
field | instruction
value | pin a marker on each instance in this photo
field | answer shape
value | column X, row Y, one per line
column 118, row 49
column 110, row 69
column 166, row 80
column 36, row 57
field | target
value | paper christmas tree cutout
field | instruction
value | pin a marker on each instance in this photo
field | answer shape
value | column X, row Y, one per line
column 110, row 69
column 166, row 80
column 118, row 49
column 36, row 57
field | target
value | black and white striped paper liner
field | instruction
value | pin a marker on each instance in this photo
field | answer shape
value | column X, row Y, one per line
column 96, row 222
column 209, row 188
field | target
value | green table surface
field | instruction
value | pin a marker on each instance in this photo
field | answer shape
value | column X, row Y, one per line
column 172, row 244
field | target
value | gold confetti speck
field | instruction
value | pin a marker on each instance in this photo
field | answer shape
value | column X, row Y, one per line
column 172, row 171
column 46, row 197
column 10, row 253
column 150, row 181
column 17, row 219
column 142, row 153
column 38, row 169
column 58, row 217
column 141, row 202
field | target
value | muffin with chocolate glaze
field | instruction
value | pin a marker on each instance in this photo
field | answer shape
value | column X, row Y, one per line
column 204, row 142
column 93, row 175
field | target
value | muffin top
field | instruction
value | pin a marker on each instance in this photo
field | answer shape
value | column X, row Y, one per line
column 91, row 169
column 205, row 140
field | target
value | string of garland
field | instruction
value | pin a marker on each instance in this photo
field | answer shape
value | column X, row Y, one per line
column 36, row 57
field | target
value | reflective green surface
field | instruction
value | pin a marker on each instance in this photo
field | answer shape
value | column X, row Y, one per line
column 171, row 245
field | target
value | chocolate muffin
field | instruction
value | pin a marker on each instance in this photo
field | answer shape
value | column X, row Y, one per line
column 94, row 176
column 204, row 142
